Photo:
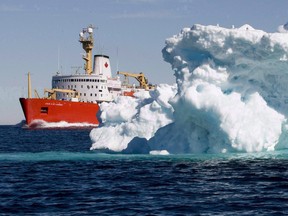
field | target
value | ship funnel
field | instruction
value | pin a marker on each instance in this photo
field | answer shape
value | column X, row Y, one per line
column 102, row 65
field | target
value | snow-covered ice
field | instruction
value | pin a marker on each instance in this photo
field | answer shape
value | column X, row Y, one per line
column 230, row 95
column 127, row 118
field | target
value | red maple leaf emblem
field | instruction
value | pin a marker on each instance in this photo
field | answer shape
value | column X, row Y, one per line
column 106, row 65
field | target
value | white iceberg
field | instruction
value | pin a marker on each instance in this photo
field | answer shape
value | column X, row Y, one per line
column 231, row 96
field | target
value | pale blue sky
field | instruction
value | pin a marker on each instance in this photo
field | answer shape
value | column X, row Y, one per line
column 33, row 31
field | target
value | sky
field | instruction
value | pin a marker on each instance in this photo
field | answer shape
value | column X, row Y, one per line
column 41, row 36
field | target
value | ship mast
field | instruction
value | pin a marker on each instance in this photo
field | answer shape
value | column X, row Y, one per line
column 86, row 38
column 29, row 86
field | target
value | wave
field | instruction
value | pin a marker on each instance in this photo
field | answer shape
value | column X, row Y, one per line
column 48, row 156
column 40, row 124
column 93, row 156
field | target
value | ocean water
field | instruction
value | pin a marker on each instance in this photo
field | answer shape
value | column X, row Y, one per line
column 53, row 172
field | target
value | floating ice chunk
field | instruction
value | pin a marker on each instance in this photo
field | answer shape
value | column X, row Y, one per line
column 129, row 117
column 161, row 152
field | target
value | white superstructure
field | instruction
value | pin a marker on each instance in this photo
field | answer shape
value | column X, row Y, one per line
column 95, row 85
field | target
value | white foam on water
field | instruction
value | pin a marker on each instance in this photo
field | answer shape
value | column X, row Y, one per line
column 61, row 124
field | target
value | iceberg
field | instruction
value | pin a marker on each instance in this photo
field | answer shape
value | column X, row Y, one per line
column 129, row 117
column 230, row 96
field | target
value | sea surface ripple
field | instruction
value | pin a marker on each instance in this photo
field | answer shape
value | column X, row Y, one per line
column 52, row 172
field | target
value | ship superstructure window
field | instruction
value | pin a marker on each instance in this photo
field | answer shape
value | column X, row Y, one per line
column 44, row 110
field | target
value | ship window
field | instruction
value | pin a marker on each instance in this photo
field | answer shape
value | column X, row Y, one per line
column 92, row 86
column 80, row 94
column 81, row 86
column 96, row 95
column 84, row 94
column 91, row 94
column 44, row 110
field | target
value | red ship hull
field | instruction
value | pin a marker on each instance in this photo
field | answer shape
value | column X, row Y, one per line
column 56, row 110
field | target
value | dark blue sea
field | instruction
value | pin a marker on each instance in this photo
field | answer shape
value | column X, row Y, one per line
column 53, row 172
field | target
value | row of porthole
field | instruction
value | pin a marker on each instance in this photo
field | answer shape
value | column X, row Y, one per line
column 88, row 87
column 84, row 94
column 79, row 80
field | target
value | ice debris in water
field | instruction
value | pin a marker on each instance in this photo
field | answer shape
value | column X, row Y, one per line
column 231, row 96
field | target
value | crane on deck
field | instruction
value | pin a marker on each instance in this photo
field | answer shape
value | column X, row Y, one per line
column 52, row 93
column 140, row 77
